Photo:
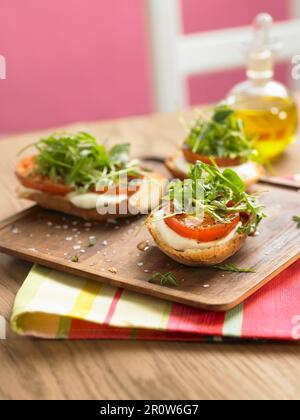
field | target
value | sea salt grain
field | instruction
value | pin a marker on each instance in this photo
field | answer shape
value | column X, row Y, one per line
column 112, row 221
column 69, row 238
column 140, row 264
column 76, row 247
column 104, row 243
column 32, row 250
column 15, row 231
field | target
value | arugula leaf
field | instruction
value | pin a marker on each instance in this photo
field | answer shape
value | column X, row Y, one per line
column 234, row 179
column 297, row 220
column 222, row 136
column 222, row 113
column 232, row 268
column 119, row 154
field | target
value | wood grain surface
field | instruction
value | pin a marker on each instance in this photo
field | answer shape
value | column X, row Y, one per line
column 53, row 239
column 33, row 369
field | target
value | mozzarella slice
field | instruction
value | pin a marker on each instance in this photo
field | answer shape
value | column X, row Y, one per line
column 90, row 201
column 247, row 171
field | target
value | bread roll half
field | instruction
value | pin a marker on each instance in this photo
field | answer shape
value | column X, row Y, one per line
column 208, row 256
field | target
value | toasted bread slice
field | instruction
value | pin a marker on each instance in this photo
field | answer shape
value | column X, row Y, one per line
column 198, row 257
column 257, row 170
column 144, row 200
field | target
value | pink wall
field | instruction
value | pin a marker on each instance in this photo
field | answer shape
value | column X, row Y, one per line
column 70, row 60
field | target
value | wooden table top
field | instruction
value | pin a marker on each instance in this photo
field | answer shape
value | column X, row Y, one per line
column 33, row 369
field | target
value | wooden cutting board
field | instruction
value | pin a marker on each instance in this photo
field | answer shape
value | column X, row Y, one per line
column 111, row 253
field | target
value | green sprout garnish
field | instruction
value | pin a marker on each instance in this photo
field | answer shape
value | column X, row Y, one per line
column 219, row 194
column 297, row 220
column 77, row 160
column 232, row 268
column 164, row 279
column 222, row 136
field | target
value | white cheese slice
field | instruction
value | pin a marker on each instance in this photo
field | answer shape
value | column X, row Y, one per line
column 90, row 201
column 246, row 171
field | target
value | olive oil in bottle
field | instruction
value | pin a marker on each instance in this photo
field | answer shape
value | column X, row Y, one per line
column 266, row 107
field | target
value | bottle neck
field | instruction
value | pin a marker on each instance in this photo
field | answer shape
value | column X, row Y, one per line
column 261, row 65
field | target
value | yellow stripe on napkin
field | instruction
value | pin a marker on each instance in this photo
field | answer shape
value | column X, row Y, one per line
column 49, row 300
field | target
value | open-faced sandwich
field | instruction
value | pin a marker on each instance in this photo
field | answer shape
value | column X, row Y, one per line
column 73, row 174
column 205, row 219
column 222, row 138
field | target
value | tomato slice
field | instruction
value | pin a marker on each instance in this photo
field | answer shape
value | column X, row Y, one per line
column 207, row 230
column 221, row 162
column 42, row 183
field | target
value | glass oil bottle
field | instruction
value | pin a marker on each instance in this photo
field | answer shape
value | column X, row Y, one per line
column 266, row 106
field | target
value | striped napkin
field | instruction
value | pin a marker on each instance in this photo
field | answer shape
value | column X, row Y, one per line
column 55, row 305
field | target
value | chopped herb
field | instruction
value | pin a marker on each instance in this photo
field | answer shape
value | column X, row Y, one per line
column 164, row 279
column 232, row 268
column 77, row 160
column 222, row 136
column 210, row 191
column 297, row 220
column 75, row 259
